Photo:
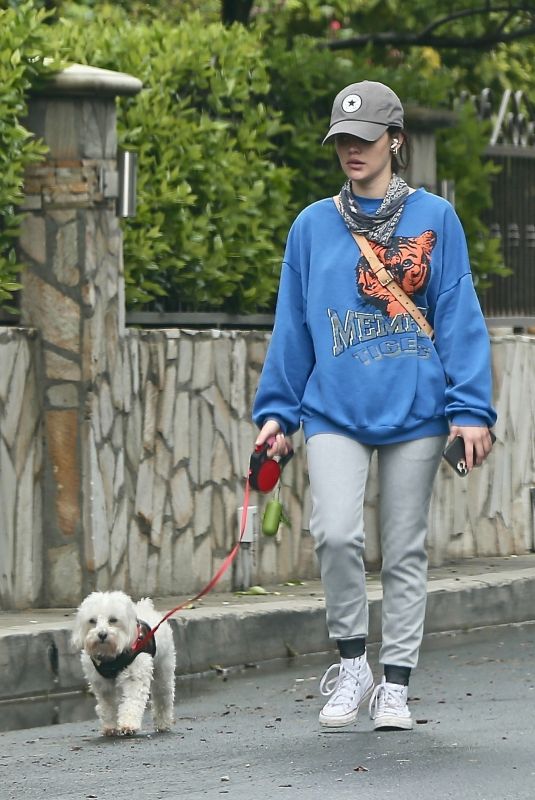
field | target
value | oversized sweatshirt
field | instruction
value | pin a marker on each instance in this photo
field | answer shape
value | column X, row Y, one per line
column 345, row 357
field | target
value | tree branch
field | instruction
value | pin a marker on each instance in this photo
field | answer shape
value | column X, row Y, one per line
column 471, row 12
column 505, row 21
column 390, row 38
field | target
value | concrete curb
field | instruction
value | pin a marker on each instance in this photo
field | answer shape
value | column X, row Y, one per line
column 37, row 658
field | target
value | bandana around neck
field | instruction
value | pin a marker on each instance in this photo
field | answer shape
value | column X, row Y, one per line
column 381, row 226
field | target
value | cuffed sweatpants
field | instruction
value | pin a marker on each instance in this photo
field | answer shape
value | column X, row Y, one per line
column 338, row 469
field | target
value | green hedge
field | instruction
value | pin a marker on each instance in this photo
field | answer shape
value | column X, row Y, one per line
column 22, row 47
column 459, row 159
column 212, row 202
column 228, row 130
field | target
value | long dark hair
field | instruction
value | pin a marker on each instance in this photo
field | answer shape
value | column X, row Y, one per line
column 402, row 159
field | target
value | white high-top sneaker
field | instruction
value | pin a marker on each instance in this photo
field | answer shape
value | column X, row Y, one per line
column 388, row 707
column 349, row 683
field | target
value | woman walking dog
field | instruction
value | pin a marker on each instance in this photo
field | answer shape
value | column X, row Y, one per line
column 368, row 363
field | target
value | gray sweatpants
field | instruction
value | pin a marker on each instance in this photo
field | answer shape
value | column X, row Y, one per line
column 338, row 469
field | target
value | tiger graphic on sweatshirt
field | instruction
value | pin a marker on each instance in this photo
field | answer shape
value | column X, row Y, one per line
column 408, row 258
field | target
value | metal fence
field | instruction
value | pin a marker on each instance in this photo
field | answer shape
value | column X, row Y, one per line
column 512, row 219
column 512, row 215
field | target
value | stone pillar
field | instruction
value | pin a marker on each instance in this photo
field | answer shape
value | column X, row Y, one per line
column 422, row 125
column 73, row 295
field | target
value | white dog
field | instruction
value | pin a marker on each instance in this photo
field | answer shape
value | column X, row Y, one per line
column 107, row 626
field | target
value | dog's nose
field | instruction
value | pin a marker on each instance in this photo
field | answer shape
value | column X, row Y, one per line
column 102, row 635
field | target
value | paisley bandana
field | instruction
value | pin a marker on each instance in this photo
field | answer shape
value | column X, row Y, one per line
column 381, row 226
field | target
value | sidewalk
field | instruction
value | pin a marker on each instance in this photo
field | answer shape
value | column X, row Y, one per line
column 224, row 630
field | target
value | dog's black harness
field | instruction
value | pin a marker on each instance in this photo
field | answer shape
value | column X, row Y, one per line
column 112, row 667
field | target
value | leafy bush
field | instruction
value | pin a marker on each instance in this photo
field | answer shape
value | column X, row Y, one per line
column 21, row 65
column 212, row 203
column 460, row 159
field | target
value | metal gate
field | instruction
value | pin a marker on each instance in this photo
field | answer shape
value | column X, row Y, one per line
column 512, row 216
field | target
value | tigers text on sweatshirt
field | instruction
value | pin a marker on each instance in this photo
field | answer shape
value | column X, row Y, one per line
column 345, row 357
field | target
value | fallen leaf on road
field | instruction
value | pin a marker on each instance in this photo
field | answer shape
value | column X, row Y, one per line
column 360, row 768
column 253, row 590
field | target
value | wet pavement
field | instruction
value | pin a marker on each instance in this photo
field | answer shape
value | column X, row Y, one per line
column 253, row 733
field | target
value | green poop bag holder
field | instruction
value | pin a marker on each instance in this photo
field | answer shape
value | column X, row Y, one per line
column 273, row 516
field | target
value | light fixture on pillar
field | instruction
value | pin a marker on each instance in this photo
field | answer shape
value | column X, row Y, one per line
column 127, row 168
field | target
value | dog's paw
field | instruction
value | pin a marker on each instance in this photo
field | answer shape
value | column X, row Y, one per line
column 109, row 731
column 163, row 727
column 127, row 730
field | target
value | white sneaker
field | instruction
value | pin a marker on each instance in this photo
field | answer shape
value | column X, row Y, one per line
column 388, row 707
column 349, row 683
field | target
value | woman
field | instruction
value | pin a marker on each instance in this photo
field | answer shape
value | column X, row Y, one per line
column 350, row 363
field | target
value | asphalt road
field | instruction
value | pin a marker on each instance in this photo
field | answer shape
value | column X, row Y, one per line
column 253, row 735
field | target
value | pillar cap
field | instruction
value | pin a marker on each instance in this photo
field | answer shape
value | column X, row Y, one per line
column 421, row 118
column 80, row 79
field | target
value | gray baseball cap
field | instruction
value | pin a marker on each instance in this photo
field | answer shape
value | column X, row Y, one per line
column 366, row 110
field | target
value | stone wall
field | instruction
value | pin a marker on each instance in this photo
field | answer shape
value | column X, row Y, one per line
column 188, row 439
column 165, row 502
column 21, row 461
column 188, row 442
column 491, row 512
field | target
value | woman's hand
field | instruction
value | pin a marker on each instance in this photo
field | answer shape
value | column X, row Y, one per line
column 279, row 444
column 477, row 443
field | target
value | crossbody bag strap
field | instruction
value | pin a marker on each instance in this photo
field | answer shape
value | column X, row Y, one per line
column 386, row 279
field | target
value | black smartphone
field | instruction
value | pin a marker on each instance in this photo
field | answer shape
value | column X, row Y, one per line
column 454, row 454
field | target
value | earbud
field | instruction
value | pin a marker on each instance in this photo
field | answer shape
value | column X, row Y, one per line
column 395, row 146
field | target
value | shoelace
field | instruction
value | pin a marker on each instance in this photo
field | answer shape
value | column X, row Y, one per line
column 384, row 693
column 341, row 678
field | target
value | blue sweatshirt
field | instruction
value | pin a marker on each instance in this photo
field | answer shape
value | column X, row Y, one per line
column 345, row 358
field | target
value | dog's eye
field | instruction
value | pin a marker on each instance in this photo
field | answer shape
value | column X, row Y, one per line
column 92, row 621
column 112, row 620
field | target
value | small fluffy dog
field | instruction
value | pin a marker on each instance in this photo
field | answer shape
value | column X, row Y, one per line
column 107, row 626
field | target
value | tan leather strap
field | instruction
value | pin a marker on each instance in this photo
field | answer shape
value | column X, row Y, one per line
column 387, row 280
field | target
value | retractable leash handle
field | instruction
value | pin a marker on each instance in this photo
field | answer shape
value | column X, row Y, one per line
column 264, row 472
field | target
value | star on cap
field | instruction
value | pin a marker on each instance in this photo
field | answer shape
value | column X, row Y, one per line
column 351, row 103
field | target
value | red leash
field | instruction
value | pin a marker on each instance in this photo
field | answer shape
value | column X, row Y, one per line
column 140, row 643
